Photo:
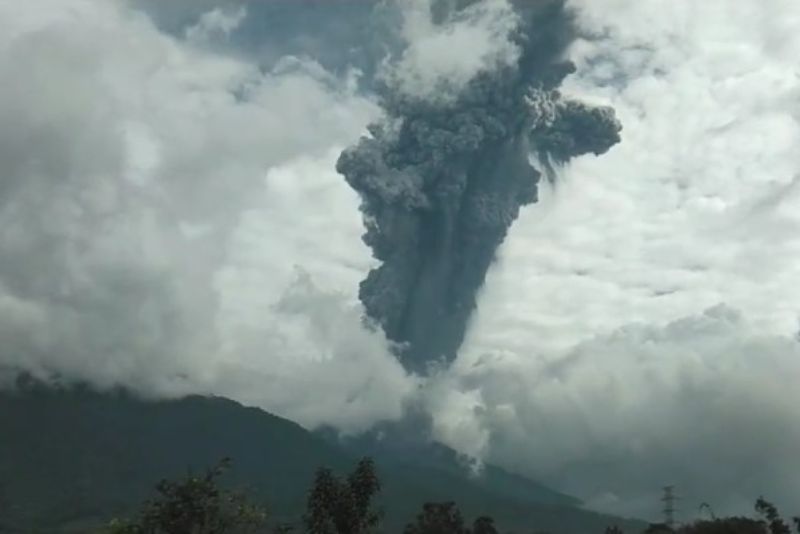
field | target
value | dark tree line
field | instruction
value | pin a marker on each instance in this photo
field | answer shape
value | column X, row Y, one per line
column 445, row 518
column 345, row 505
column 195, row 505
column 770, row 522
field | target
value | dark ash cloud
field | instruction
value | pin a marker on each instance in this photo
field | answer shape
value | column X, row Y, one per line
column 443, row 176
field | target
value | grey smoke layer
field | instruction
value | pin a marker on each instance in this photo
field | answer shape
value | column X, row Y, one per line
column 442, row 180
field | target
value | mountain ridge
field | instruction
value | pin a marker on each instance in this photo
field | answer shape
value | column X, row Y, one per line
column 74, row 458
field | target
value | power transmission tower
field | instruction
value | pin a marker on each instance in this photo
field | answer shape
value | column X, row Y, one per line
column 669, row 499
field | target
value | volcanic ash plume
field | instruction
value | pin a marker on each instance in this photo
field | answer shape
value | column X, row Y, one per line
column 443, row 176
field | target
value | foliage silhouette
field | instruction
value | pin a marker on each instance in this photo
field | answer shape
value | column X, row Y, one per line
column 438, row 518
column 484, row 525
column 768, row 511
column 771, row 523
column 195, row 505
column 343, row 506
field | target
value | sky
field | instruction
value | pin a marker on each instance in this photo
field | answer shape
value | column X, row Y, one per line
column 171, row 220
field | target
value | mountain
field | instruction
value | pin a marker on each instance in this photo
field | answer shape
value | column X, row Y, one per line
column 72, row 459
column 402, row 446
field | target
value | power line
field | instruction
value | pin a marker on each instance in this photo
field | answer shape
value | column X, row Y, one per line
column 669, row 500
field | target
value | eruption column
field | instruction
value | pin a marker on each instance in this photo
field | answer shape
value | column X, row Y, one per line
column 442, row 180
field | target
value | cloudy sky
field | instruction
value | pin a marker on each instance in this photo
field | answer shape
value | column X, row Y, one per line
column 171, row 220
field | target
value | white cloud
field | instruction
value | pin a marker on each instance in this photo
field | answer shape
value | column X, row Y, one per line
column 216, row 23
column 151, row 187
column 179, row 15
column 705, row 402
column 696, row 207
column 442, row 57
column 158, row 200
column 307, row 355
column 289, row 324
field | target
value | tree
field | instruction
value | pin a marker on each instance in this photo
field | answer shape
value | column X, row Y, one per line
column 484, row 525
column 772, row 523
column 774, row 520
column 727, row 525
column 195, row 505
column 343, row 506
column 438, row 518
column 445, row 518
column 658, row 528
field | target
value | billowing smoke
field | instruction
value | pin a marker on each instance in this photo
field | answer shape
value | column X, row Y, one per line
column 154, row 211
column 171, row 221
column 590, row 363
column 444, row 174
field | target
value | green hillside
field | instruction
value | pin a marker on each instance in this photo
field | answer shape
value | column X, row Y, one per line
column 73, row 459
